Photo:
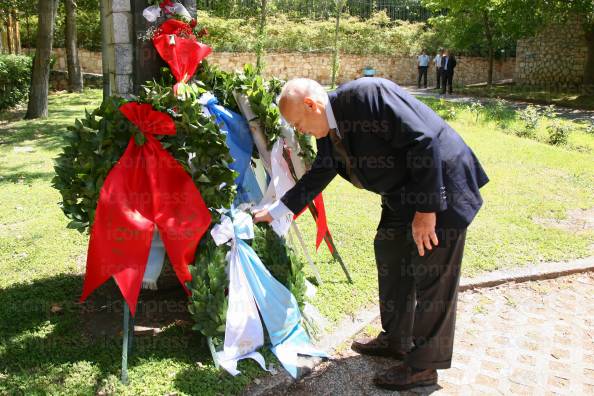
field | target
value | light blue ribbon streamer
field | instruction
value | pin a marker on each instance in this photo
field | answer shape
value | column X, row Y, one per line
column 240, row 143
column 277, row 305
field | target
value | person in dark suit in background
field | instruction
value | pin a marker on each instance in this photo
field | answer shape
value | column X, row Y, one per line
column 448, row 64
column 374, row 134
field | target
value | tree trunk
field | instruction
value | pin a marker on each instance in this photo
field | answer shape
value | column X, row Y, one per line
column 75, row 77
column 37, row 106
column 261, row 38
column 8, row 34
column 489, row 37
column 28, row 26
column 589, row 67
column 16, row 32
column 335, row 55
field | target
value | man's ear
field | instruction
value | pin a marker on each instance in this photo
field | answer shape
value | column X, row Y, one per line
column 310, row 104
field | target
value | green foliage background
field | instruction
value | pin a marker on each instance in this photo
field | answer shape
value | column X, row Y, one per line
column 15, row 79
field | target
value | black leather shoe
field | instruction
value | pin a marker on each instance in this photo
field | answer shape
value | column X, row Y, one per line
column 403, row 377
column 378, row 346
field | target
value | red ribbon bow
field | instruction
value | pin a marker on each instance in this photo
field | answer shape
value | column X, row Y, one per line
column 178, row 46
column 146, row 187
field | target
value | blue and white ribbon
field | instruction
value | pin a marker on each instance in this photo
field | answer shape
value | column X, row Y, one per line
column 240, row 143
column 251, row 289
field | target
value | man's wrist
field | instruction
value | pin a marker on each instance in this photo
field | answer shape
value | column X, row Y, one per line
column 278, row 210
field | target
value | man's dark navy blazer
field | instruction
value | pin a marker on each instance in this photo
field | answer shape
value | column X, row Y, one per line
column 400, row 149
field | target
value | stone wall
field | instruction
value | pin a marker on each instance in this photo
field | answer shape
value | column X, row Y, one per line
column 403, row 70
column 555, row 56
column 90, row 62
column 59, row 80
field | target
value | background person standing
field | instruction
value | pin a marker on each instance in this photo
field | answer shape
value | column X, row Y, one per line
column 423, row 64
column 448, row 64
column 437, row 63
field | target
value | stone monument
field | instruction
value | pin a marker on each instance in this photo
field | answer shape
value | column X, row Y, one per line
column 128, row 60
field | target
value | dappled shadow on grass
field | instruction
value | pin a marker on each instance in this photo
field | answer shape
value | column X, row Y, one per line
column 18, row 174
column 42, row 326
column 565, row 96
column 47, row 133
column 42, row 134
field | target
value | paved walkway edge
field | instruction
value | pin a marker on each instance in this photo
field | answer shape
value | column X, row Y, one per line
column 529, row 273
column 351, row 326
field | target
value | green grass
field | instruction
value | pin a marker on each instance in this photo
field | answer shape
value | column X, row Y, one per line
column 540, row 95
column 42, row 262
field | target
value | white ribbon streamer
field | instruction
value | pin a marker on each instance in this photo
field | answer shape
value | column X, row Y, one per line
column 243, row 329
column 281, row 182
column 154, row 265
column 152, row 13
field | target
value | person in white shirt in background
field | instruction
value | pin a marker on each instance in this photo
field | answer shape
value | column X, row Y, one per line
column 423, row 63
column 437, row 63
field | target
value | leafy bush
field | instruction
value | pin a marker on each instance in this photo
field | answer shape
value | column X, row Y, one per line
column 377, row 35
column 549, row 112
column 476, row 108
column 558, row 133
column 445, row 110
column 530, row 119
column 500, row 112
column 15, row 79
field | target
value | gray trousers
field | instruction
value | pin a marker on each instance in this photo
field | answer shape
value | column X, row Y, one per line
column 418, row 294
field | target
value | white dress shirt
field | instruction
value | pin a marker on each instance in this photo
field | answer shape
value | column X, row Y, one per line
column 278, row 209
column 423, row 60
column 437, row 60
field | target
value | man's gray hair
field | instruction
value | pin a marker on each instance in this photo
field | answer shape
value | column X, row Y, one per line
column 298, row 88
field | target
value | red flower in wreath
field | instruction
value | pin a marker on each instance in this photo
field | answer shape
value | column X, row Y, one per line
column 180, row 49
column 177, row 27
column 166, row 3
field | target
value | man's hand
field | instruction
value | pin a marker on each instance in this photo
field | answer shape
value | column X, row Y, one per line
column 423, row 231
column 262, row 215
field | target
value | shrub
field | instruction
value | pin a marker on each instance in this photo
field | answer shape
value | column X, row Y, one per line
column 377, row 35
column 558, row 133
column 476, row 108
column 530, row 119
column 590, row 128
column 15, row 79
column 549, row 112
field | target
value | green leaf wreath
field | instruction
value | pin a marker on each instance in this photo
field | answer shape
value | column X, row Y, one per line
column 96, row 142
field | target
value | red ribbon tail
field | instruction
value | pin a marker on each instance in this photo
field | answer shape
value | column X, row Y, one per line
column 321, row 222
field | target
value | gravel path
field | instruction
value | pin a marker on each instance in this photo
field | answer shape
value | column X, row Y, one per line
column 533, row 338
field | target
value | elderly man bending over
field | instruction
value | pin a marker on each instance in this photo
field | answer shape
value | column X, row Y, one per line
column 378, row 137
